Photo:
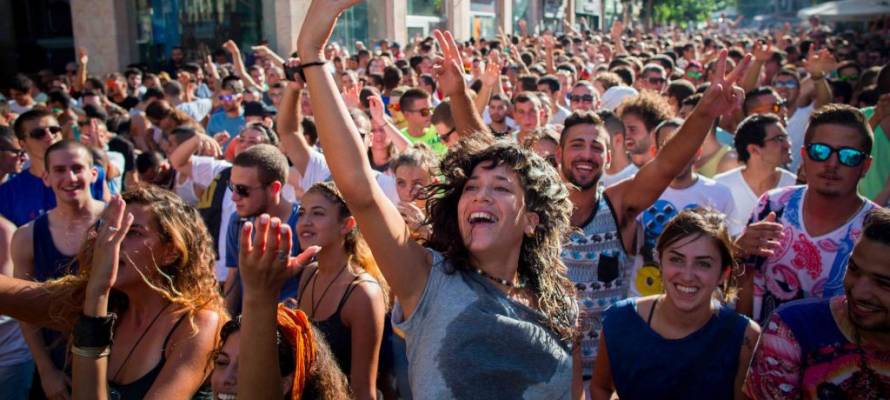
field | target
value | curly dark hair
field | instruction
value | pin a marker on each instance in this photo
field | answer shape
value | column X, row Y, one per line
column 545, row 194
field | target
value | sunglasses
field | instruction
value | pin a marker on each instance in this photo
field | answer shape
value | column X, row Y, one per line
column 656, row 80
column 847, row 156
column 40, row 133
column 231, row 97
column 444, row 138
column 426, row 112
column 785, row 84
column 242, row 190
column 849, row 78
column 17, row 152
column 587, row 98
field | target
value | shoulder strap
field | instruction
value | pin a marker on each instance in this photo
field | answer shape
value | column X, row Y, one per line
column 352, row 285
column 167, row 339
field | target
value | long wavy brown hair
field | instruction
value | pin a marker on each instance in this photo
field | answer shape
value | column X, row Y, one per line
column 545, row 194
column 188, row 282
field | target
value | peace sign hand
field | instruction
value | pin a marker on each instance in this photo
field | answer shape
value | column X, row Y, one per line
column 449, row 68
column 724, row 97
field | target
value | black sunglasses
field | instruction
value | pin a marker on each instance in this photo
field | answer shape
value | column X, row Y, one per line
column 17, row 152
column 847, row 156
column 242, row 190
column 588, row 98
column 39, row 133
column 444, row 138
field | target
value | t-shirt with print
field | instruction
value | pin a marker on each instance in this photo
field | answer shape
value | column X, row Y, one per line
column 802, row 354
column 25, row 197
column 317, row 171
column 879, row 172
column 430, row 137
column 744, row 197
column 704, row 193
column 204, row 169
column 803, row 266
column 233, row 247
column 467, row 340
column 600, row 270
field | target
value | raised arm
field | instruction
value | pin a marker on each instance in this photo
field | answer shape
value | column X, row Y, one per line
column 379, row 120
column 405, row 264
column 633, row 196
column 491, row 81
column 549, row 48
column 819, row 65
column 293, row 143
column 238, row 63
column 181, row 158
column 80, row 78
column 762, row 53
column 451, row 81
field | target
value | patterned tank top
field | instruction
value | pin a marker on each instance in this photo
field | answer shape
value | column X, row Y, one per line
column 600, row 269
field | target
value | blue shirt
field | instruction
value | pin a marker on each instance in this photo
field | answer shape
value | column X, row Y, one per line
column 233, row 246
column 25, row 197
column 219, row 122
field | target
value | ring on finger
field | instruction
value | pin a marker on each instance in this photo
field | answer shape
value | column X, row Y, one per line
column 282, row 255
column 113, row 228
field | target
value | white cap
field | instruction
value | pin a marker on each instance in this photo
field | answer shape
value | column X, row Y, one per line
column 615, row 95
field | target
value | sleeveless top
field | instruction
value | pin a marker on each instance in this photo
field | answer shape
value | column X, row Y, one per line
column 336, row 333
column 645, row 365
column 140, row 387
column 709, row 168
column 600, row 269
column 50, row 263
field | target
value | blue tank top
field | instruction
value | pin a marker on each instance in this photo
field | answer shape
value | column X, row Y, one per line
column 50, row 263
column 645, row 365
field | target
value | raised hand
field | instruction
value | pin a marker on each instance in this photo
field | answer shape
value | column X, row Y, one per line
column 724, row 97
column 763, row 51
column 549, row 41
column 819, row 63
column 231, row 47
column 264, row 259
column 492, row 74
column 352, row 96
column 209, row 146
column 762, row 238
column 314, row 36
column 293, row 80
column 616, row 31
column 376, row 108
column 449, row 69
column 111, row 229
column 82, row 56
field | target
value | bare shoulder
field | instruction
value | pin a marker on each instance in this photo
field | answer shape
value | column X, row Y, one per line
column 201, row 329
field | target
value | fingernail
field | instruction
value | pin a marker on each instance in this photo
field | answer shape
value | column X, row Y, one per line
column 247, row 225
column 283, row 229
column 264, row 219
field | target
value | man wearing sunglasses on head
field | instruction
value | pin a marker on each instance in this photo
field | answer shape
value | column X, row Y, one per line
column 25, row 197
column 231, row 117
column 800, row 237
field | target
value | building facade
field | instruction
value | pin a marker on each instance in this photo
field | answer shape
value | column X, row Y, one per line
column 44, row 33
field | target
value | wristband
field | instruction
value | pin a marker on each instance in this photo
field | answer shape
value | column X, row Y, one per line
column 817, row 78
column 91, row 352
column 307, row 65
column 94, row 332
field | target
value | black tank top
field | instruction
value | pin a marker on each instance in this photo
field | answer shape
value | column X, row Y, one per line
column 336, row 333
column 50, row 263
column 140, row 387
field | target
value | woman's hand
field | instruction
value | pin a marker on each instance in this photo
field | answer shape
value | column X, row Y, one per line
column 113, row 226
column 724, row 97
column 449, row 69
column 264, row 261
column 314, row 36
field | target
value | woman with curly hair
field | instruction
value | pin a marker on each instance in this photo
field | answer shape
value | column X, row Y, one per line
column 146, row 279
column 687, row 342
column 487, row 309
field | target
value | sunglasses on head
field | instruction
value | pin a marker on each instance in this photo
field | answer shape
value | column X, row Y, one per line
column 426, row 112
column 847, row 156
column 230, row 97
column 40, row 133
column 587, row 98
column 242, row 190
column 785, row 84
column 17, row 152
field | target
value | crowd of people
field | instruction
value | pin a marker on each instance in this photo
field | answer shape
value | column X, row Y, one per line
column 694, row 214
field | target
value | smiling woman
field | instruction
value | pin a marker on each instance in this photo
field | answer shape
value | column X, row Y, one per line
column 685, row 342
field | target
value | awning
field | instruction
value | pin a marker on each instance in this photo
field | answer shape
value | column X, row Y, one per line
column 847, row 10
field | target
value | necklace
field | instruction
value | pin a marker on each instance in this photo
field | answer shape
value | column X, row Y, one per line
column 518, row 285
column 868, row 379
column 148, row 328
column 324, row 292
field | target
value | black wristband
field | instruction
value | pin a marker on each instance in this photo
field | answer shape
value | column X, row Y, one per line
column 94, row 331
column 306, row 65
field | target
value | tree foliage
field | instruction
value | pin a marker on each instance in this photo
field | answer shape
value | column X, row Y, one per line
column 686, row 12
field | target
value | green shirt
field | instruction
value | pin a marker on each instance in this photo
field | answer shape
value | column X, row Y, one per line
column 873, row 181
column 430, row 137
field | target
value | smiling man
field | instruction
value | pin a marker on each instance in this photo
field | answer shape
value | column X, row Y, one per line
column 820, row 221
column 837, row 347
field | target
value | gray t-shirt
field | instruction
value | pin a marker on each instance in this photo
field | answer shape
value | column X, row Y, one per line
column 467, row 340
